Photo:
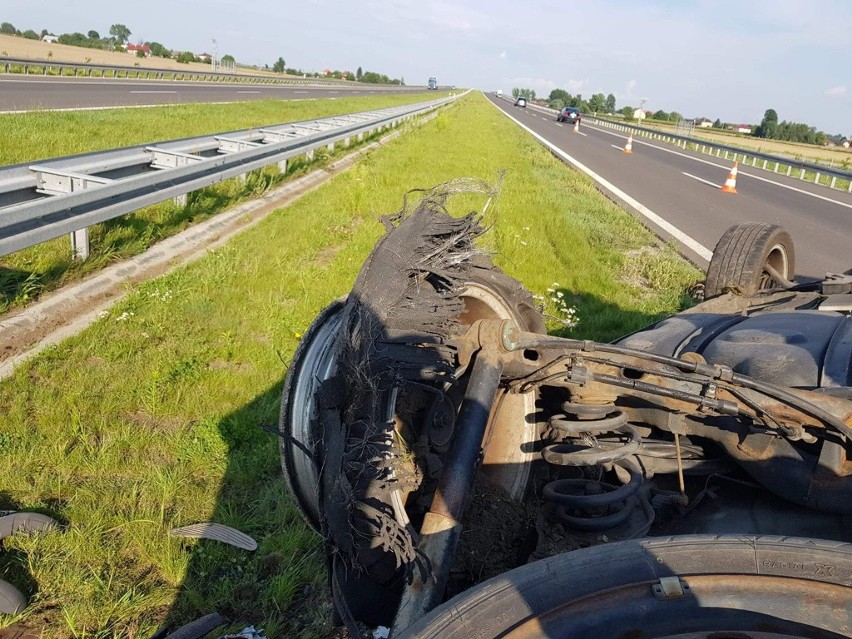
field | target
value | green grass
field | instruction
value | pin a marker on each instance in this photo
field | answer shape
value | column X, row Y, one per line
column 27, row 274
column 150, row 418
column 37, row 135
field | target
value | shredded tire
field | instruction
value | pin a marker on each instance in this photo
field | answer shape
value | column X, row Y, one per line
column 397, row 326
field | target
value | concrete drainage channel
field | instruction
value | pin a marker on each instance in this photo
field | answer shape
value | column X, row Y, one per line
column 69, row 310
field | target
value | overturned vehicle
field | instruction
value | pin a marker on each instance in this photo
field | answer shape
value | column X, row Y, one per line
column 474, row 477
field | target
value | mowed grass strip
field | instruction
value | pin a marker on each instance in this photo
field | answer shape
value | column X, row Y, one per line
column 37, row 135
column 151, row 418
column 27, row 274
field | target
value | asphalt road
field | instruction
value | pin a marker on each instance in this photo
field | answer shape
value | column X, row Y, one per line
column 655, row 174
column 24, row 93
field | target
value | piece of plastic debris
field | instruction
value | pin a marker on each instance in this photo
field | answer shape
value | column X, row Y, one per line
column 216, row 532
column 247, row 633
column 18, row 522
column 198, row 628
column 381, row 633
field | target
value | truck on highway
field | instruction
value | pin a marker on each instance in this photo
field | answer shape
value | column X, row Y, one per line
column 433, row 83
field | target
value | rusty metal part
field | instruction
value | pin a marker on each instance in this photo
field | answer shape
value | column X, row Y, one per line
column 439, row 534
column 834, row 413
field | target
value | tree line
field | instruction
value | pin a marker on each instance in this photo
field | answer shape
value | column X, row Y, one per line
column 119, row 35
column 771, row 129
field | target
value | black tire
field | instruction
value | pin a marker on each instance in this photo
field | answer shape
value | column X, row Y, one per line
column 729, row 587
column 741, row 255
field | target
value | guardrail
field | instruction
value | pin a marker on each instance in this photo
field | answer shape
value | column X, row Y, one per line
column 804, row 169
column 817, row 171
column 46, row 67
column 51, row 198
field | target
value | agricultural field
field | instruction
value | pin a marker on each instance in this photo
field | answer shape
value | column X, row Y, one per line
column 157, row 416
column 18, row 47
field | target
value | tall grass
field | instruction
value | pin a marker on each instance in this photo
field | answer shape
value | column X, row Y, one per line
column 150, row 419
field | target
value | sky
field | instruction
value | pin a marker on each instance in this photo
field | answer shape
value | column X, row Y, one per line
column 703, row 58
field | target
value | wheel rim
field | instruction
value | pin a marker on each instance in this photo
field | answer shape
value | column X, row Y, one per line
column 780, row 261
column 316, row 363
column 505, row 462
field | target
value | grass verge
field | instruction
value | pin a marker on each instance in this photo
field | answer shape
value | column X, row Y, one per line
column 150, row 418
column 27, row 274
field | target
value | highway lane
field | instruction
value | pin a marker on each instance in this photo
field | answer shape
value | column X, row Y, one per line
column 24, row 93
column 819, row 219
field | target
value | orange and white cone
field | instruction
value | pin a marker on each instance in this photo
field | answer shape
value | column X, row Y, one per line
column 628, row 148
column 730, row 185
column 576, row 126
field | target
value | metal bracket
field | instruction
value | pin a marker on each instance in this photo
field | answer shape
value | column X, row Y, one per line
column 281, row 136
column 233, row 145
column 166, row 159
column 51, row 181
column 669, row 588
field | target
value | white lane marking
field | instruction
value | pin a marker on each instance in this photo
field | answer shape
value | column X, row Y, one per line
column 668, row 227
column 581, row 133
column 557, row 124
column 153, row 91
column 695, row 177
column 108, row 108
column 299, row 91
column 727, row 168
column 248, row 91
column 617, row 148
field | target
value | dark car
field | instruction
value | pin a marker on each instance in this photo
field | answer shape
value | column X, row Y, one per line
column 569, row 114
column 521, row 102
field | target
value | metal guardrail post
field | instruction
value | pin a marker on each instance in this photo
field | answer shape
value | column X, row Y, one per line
column 80, row 244
column 52, row 182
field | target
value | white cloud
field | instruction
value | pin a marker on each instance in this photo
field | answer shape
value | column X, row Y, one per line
column 576, row 86
column 503, row 55
column 836, row 92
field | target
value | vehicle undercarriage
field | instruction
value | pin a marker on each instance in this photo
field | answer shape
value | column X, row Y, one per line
column 692, row 478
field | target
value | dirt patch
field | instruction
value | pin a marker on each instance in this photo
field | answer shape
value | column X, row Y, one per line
column 497, row 536
column 632, row 275
column 21, row 630
column 238, row 367
column 151, row 423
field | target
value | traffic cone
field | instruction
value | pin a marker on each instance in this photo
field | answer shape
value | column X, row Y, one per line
column 576, row 126
column 628, row 148
column 730, row 185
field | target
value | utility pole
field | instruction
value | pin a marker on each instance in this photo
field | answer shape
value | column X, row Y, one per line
column 213, row 61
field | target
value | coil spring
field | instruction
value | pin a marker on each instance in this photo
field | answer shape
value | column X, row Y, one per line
column 593, row 505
